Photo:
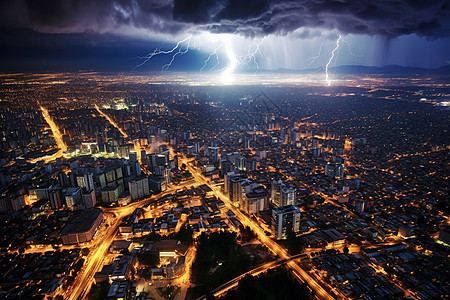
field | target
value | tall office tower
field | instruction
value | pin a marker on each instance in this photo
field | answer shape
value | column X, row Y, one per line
column 85, row 181
column 213, row 154
column 334, row 170
column 139, row 188
column 133, row 156
column 240, row 163
column 55, row 198
column 89, row 198
column 143, row 157
column 255, row 199
column 283, row 194
column 285, row 220
column 233, row 187
column 360, row 206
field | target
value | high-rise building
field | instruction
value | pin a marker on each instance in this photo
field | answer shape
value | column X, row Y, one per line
column 282, row 194
column 136, row 168
column 86, row 181
column 139, row 188
column 360, row 206
column 89, row 199
column 72, row 196
column 213, row 154
column 255, row 200
column 38, row 192
column 55, row 198
column 225, row 167
column 157, row 160
column 285, row 220
column 111, row 194
column 334, row 170
column 235, row 189
column 246, row 194
column 133, row 156
column 11, row 202
column 240, row 163
column 250, row 165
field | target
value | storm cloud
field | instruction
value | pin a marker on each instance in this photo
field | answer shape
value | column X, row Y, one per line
column 247, row 17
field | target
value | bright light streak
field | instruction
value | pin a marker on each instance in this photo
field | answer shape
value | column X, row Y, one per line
column 55, row 129
column 56, row 134
column 180, row 52
column 214, row 53
column 251, row 55
column 349, row 48
column 160, row 52
column 138, row 149
column 111, row 121
column 331, row 59
column 314, row 58
column 232, row 63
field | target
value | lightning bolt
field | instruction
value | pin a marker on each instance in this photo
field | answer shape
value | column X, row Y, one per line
column 233, row 62
column 314, row 58
column 183, row 46
column 251, row 55
column 162, row 52
column 180, row 52
column 331, row 59
column 194, row 45
column 349, row 48
column 214, row 53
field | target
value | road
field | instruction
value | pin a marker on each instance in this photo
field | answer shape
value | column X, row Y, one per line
column 184, row 281
column 103, row 241
column 84, row 282
column 254, row 272
column 321, row 293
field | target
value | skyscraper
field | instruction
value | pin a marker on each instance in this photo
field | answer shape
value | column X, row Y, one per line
column 334, row 170
column 213, row 153
column 285, row 220
column 282, row 194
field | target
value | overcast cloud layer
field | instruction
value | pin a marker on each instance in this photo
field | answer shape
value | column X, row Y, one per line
column 428, row 18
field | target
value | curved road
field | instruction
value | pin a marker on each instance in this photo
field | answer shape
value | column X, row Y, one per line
column 262, row 268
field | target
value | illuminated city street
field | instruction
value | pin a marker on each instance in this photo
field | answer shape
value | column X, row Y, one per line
column 181, row 150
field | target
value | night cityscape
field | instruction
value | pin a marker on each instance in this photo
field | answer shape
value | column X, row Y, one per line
column 174, row 149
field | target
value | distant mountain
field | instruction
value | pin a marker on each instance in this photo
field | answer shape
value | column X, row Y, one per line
column 389, row 69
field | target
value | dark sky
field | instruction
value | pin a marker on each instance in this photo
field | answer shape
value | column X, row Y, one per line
column 110, row 35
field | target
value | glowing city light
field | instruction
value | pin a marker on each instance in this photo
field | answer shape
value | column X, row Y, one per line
column 111, row 121
column 57, row 136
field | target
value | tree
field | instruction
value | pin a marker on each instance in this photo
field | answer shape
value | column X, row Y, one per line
column 184, row 235
column 149, row 259
column 247, row 234
column 345, row 250
column 70, row 280
column 85, row 251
